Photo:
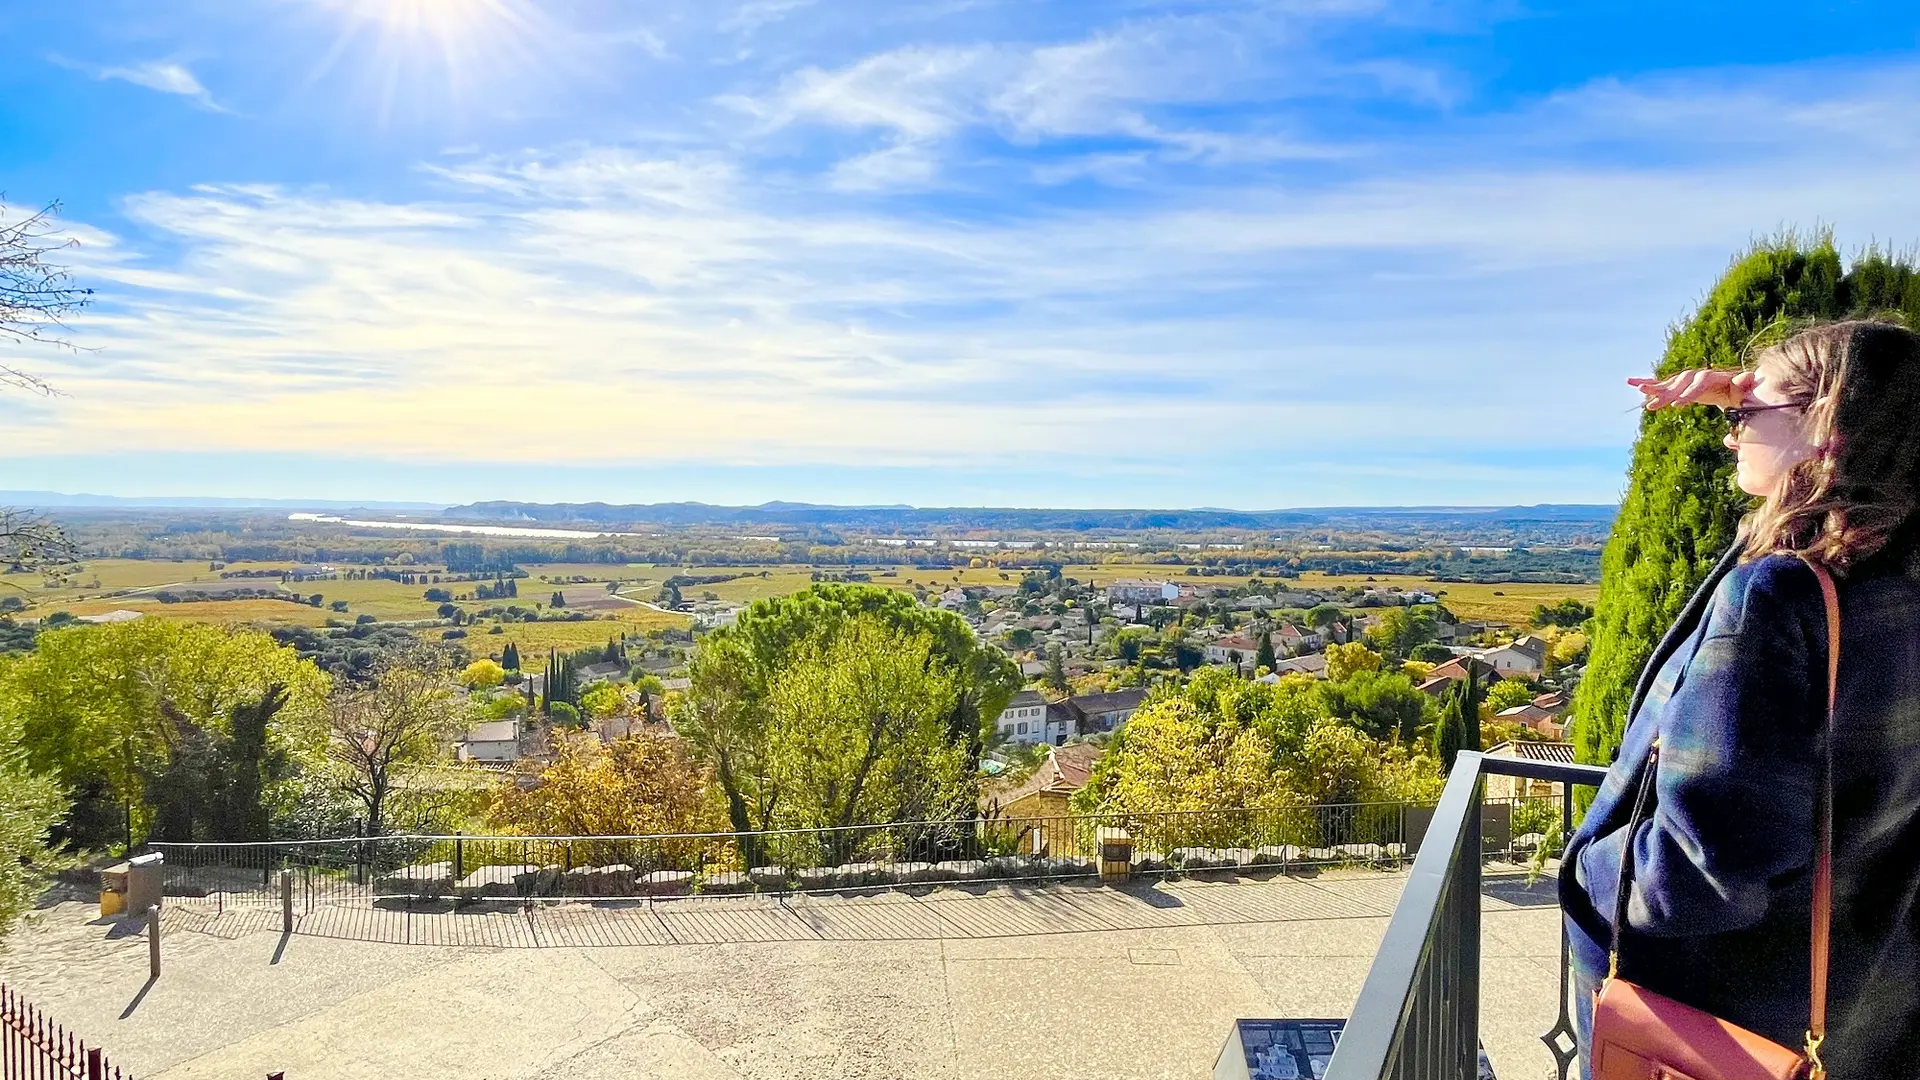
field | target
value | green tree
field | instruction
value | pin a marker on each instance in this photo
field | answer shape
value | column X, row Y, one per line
column 1264, row 658
column 1569, row 613
column 1226, row 744
column 603, row 701
column 510, row 657
column 30, row 804
column 1383, row 704
column 1458, row 727
column 1508, row 694
column 1681, row 507
column 558, row 599
column 1322, row 616
column 843, row 700
column 98, row 707
column 1056, row 679
column 1402, row 629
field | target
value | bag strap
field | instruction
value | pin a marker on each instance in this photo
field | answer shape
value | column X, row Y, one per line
column 1823, row 838
column 1823, row 830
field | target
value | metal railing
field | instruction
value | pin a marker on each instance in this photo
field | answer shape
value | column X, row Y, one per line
column 472, row 868
column 1418, row 1013
column 33, row 1047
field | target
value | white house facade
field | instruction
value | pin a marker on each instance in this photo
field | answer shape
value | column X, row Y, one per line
column 1024, row 719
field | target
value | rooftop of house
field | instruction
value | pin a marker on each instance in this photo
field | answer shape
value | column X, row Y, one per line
column 1559, row 752
column 1064, row 771
column 1111, row 700
column 494, row 731
column 1026, row 699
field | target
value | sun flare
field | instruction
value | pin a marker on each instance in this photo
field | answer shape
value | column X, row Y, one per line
column 424, row 55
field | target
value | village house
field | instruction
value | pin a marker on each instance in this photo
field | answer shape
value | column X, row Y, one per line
column 1232, row 649
column 1024, row 717
column 1535, row 718
column 1134, row 591
column 1063, row 720
column 1523, row 659
column 496, row 740
column 1045, row 793
column 1106, row 712
column 1314, row 664
column 1456, row 669
column 1293, row 639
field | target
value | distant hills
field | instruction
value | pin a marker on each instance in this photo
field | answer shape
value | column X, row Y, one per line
column 906, row 519
column 1547, row 522
column 45, row 500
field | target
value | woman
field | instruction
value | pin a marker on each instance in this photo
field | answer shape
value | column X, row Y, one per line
column 1826, row 427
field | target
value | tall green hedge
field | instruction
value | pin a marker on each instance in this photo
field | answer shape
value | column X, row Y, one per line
column 1681, row 506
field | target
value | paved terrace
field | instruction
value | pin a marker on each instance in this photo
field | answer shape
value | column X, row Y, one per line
column 1055, row 981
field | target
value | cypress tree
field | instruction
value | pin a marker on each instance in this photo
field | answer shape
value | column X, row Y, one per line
column 510, row 657
column 1264, row 657
column 1681, row 508
column 1450, row 731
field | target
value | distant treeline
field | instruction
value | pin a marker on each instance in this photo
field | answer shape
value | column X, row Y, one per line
column 1555, row 518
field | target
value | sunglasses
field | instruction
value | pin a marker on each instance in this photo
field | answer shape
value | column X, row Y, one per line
column 1737, row 417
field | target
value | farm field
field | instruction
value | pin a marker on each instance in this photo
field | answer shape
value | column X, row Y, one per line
column 1507, row 602
column 102, row 585
column 225, row 612
column 98, row 586
column 540, row 636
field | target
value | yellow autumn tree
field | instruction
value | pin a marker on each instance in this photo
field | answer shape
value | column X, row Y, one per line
column 1345, row 661
column 637, row 785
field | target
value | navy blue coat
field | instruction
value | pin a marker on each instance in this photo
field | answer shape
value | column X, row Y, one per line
column 1720, row 914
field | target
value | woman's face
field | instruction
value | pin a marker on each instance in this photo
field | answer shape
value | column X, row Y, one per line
column 1768, row 443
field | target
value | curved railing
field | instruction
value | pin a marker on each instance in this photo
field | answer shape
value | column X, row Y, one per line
column 787, row 860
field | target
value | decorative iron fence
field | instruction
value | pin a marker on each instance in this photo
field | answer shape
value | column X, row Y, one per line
column 1418, row 1014
column 420, row 867
column 33, row 1047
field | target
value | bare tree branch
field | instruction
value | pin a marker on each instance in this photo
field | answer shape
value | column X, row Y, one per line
column 34, row 294
column 29, row 541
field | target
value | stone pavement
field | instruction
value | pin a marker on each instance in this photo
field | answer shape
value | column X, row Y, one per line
column 1039, row 981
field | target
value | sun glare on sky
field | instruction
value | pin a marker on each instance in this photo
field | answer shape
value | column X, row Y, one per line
column 422, row 54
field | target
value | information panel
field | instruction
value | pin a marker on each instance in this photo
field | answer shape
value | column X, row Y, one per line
column 1288, row 1050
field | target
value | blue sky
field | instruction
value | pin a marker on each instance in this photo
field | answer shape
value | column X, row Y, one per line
column 1318, row 252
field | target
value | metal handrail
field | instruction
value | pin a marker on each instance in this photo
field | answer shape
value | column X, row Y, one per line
column 969, row 822
column 1418, row 1013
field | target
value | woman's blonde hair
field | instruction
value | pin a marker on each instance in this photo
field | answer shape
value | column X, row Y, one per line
column 1859, row 385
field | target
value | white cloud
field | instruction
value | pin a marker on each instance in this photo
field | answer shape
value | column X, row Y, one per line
column 165, row 76
column 611, row 305
column 1129, row 82
column 754, row 14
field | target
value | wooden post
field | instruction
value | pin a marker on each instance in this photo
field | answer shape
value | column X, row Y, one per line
column 286, row 901
column 96, row 1070
column 153, row 941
